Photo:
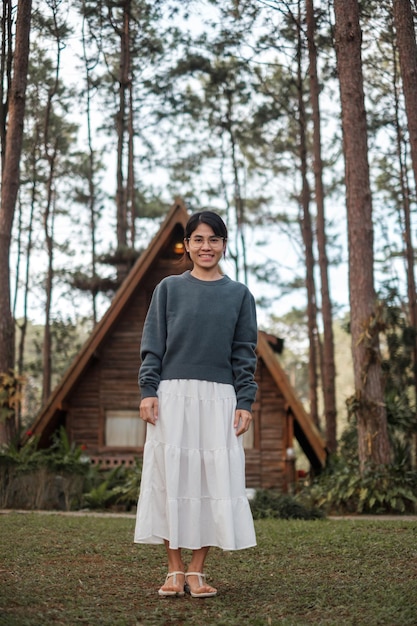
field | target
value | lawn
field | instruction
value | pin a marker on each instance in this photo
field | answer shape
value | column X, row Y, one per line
column 59, row 569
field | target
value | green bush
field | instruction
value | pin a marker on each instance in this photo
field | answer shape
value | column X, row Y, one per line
column 101, row 495
column 62, row 477
column 63, row 456
column 24, row 458
column 342, row 489
column 118, row 486
column 127, row 491
column 33, row 478
column 271, row 504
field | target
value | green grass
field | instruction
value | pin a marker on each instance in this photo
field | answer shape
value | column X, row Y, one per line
column 57, row 569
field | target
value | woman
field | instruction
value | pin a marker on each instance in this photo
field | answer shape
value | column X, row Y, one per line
column 197, row 387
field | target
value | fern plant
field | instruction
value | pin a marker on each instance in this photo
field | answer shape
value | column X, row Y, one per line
column 342, row 489
column 127, row 492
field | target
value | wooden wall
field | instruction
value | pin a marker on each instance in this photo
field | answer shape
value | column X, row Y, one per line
column 265, row 463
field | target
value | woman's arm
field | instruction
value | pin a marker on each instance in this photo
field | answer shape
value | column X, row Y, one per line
column 244, row 355
column 153, row 343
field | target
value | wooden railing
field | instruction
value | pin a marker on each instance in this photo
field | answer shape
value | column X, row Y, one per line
column 108, row 462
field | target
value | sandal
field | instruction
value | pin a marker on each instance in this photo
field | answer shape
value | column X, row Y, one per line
column 170, row 594
column 203, row 594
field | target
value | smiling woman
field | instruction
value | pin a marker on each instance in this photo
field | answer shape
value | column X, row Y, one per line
column 205, row 244
column 197, row 386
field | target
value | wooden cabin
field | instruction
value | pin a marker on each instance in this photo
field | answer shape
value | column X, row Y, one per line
column 97, row 399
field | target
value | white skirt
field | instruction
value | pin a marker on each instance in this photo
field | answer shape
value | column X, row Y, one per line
column 193, row 479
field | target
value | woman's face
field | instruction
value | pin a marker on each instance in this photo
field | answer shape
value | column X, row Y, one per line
column 204, row 247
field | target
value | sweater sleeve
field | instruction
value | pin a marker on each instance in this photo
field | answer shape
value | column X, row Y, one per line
column 244, row 355
column 153, row 343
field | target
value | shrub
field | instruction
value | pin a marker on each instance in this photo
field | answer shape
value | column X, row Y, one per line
column 127, row 491
column 63, row 456
column 32, row 478
column 342, row 489
column 101, row 495
column 119, row 485
column 270, row 504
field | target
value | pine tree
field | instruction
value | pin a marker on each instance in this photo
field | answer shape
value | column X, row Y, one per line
column 9, row 188
column 368, row 401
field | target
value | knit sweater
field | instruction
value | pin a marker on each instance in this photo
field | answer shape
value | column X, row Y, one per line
column 203, row 330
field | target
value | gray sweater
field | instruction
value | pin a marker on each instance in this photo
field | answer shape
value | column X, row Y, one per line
column 203, row 330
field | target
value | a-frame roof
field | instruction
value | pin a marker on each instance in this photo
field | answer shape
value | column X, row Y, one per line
column 56, row 401
column 304, row 429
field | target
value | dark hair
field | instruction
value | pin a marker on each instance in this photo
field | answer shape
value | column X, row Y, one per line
column 206, row 217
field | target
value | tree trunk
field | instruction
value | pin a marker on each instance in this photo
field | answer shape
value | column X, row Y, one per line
column 233, row 255
column 239, row 201
column 51, row 152
column 407, row 49
column 131, row 165
column 328, row 365
column 121, row 191
column 406, row 195
column 24, row 322
column 307, row 234
column 48, row 220
column 91, row 176
column 9, row 188
column 368, row 402
column 6, row 60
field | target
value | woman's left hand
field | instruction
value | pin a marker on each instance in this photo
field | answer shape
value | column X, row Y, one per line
column 242, row 421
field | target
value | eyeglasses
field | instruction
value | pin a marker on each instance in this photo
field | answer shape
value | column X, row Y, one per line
column 214, row 241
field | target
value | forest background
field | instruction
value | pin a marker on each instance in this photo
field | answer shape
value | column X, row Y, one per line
column 291, row 119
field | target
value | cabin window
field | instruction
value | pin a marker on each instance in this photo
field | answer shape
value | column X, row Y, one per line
column 124, row 429
column 248, row 438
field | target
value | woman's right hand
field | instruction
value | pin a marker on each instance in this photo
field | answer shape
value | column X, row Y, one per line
column 148, row 410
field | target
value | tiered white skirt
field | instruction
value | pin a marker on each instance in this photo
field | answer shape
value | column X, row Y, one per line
column 193, row 479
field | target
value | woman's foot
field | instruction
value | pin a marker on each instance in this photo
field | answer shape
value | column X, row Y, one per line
column 196, row 587
column 173, row 585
